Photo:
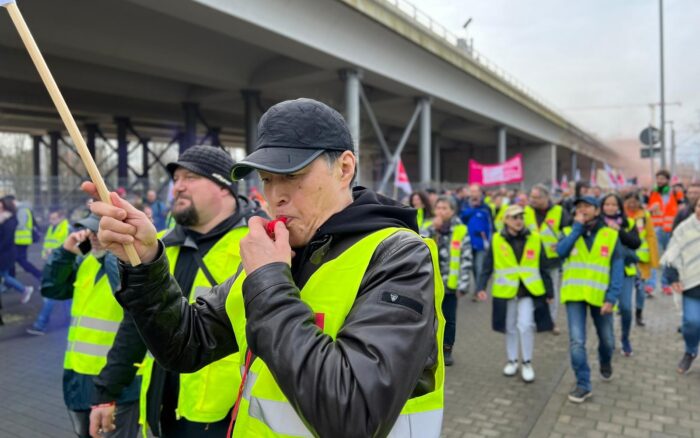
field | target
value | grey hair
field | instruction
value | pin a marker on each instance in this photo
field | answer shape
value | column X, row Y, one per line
column 332, row 156
column 543, row 189
column 449, row 200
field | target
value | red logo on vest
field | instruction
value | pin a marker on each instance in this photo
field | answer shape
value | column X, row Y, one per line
column 320, row 320
column 456, row 244
column 604, row 251
column 530, row 254
column 550, row 222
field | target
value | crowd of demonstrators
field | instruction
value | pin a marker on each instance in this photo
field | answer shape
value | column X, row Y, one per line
column 455, row 261
column 477, row 217
column 8, row 249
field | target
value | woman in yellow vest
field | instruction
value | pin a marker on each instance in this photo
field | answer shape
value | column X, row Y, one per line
column 521, row 288
column 86, row 273
column 455, row 255
column 648, row 253
column 594, row 270
column 615, row 218
column 424, row 211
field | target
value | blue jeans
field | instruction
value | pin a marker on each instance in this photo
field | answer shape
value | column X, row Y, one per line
column 625, row 305
column 11, row 281
column 663, row 238
column 576, row 316
column 691, row 324
column 42, row 320
column 640, row 294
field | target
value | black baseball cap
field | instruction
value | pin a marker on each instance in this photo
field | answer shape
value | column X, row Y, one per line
column 209, row 161
column 292, row 134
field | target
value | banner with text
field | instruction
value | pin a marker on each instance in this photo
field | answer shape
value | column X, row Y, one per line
column 493, row 174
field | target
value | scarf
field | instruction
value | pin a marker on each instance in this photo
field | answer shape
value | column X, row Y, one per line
column 683, row 252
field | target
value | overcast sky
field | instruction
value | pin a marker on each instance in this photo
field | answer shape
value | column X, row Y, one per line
column 592, row 53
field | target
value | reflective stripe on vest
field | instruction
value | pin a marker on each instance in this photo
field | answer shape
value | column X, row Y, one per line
column 95, row 318
column 264, row 410
column 587, row 273
column 23, row 232
column 509, row 273
column 458, row 233
column 207, row 395
column 549, row 230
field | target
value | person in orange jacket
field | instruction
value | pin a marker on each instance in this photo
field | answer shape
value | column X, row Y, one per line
column 663, row 206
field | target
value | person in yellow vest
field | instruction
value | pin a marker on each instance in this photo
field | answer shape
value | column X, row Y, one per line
column 548, row 219
column 455, row 256
column 56, row 234
column 424, row 211
column 24, row 237
column 202, row 251
column 521, row 288
column 337, row 314
column 648, row 252
column 615, row 218
column 594, row 269
column 83, row 271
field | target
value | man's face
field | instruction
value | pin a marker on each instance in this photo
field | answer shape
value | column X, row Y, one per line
column 475, row 194
column 521, row 200
column 444, row 211
column 308, row 197
column 194, row 197
column 151, row 196
column 587, row 211
column 693, row 194
column 538, row 200
column 54, row 218
column 661, row 180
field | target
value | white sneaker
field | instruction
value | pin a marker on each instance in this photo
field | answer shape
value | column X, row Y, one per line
column 27, row 294
column 511, row 368
column 527, row 373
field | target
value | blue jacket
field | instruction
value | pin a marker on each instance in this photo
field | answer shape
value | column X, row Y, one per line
column 617, row 266
column 478, row 220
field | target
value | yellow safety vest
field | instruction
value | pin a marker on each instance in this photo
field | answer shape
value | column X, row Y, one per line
column 458, row 233
column 550, row 229
column 500, row 217
column 423, row 222
column 264, row 411
column 631, row 269
column 643, row 251
column 23, row 232
column 55, row 235
column 95, row 318
column 587, row 273
column 170, row 221
column 508, row 273
column 207, row 395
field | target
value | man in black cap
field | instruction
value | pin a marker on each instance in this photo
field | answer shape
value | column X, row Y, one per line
column 336, row 315
column 202, row 251
column 82, row 270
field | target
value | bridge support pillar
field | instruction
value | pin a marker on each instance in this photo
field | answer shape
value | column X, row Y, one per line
column 55, row 137
column 36, row 162
column 502, row 145
column 251, row 104
column 122, row 151
column 352, row 110
column 574, row 166
column 437, row 167
column 189, row 137
column 540, row 165
column 424, row 148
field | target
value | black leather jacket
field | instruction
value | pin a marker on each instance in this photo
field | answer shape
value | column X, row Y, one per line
column 353, row 386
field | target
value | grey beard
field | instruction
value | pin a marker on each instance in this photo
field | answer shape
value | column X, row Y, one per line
column 187, row 217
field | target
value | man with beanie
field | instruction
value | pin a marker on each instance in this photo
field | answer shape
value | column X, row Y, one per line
column 202, row 251
column 336, row 313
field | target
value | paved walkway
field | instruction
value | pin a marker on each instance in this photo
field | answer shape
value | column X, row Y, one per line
column 646, row 398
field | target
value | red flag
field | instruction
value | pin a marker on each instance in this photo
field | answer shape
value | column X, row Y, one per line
column 401, row 181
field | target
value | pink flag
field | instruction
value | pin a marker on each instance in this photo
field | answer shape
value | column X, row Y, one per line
column 564, row 183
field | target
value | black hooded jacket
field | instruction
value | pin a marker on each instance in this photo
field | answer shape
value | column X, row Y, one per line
column 128, row 347
column 355, row 385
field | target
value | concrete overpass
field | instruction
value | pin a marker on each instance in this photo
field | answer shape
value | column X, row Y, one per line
column 182, row 70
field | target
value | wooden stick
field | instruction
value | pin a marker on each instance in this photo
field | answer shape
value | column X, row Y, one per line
column 65, row 114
